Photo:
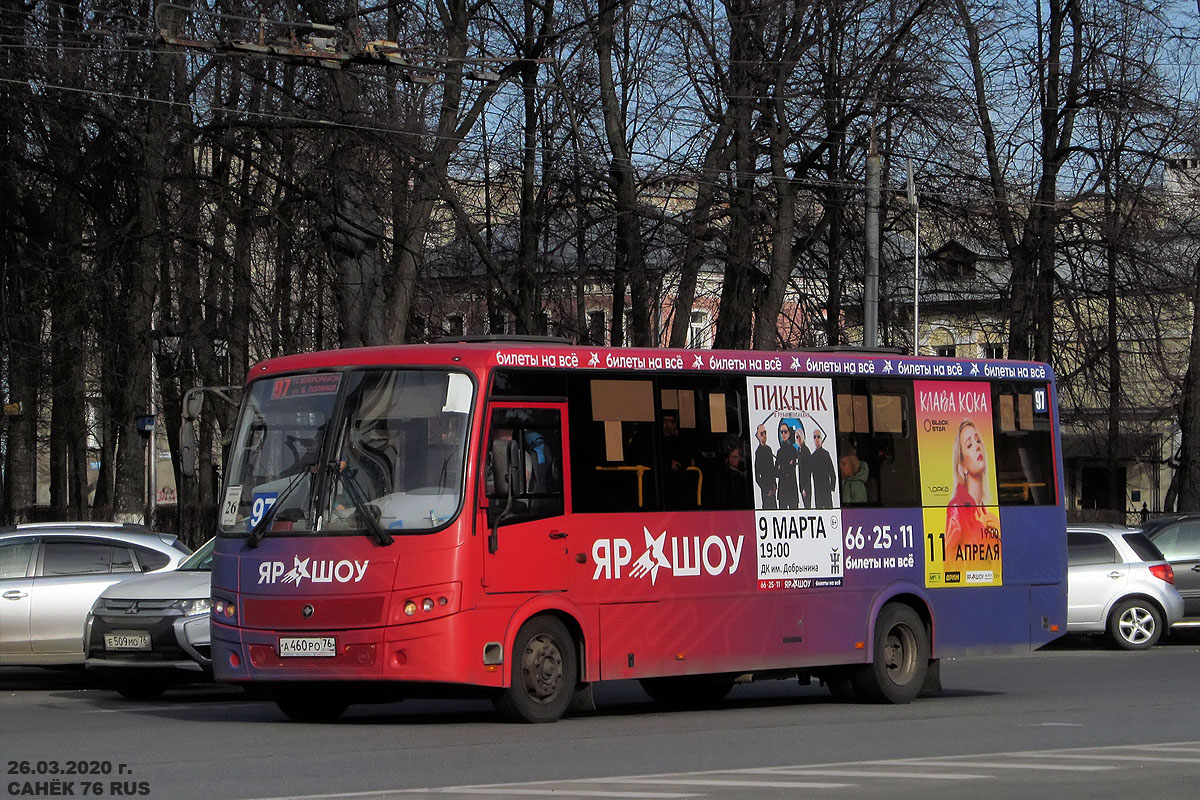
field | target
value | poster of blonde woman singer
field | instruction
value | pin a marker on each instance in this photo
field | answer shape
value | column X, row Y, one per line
column 958, row 484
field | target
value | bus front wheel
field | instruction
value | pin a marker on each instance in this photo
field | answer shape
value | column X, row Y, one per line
column 545, row 672
column 901, row 656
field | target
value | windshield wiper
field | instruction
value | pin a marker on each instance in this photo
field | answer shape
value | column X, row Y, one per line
column 260, row 530
column 361, row 505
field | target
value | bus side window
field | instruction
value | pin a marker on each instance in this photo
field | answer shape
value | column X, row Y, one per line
column 877, row 446
column 613, row 433
column 1024, row 444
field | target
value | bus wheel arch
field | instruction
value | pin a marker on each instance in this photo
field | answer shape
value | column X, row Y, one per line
column 900, row 654
column 543, row 670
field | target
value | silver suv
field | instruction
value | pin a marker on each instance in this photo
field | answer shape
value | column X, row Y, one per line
column 147, row 633
column 51, row 573
column 1119, row 584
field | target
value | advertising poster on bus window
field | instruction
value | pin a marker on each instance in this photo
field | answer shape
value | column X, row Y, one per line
column 958, row 484
column 798, row 524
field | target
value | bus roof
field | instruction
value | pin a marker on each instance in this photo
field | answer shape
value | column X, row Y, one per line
column 547, row 354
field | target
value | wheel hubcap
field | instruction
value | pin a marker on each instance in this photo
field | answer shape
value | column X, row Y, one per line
column 1137, row 625
column 542, row 666
column 899, row 654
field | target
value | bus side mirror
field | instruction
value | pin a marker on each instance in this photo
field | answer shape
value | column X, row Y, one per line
column 187, row 449
column 193, row 402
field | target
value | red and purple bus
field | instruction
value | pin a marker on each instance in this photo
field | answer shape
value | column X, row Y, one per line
column 522, row 519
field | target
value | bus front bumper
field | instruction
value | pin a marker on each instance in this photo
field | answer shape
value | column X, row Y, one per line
column 445, row 650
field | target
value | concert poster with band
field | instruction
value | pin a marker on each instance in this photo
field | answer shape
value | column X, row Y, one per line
column 796, row 497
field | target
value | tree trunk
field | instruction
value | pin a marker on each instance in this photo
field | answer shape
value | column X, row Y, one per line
column 1189, row 416
column 630, row 259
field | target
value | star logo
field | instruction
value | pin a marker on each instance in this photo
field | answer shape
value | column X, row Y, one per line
column 594, row 361
column 298, row 571
column 697, row 362
column 974, row 367
column 653, row 558
column 795, row 363
column 887, row 366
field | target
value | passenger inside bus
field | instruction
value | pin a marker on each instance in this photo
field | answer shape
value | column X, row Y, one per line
column 732, row 488
column 683, row 478
column 854, row 474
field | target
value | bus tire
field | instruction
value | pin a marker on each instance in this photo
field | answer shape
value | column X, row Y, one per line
column 545, row 672
column 901, row 657
column 310, row 706
column 1134, row 624
column 688, row 691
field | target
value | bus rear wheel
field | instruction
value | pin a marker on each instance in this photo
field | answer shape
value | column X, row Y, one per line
column 545, row 672
column 901, row 657
column 688, row 691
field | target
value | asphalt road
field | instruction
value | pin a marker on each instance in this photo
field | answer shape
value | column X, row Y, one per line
column 1076, row 721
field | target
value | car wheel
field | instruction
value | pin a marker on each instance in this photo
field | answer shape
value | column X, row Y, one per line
column 143, row 690
column 544, row 673
column 901, row 657
column 1134, row 624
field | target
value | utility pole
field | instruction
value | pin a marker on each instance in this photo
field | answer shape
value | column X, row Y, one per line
column 871, row 269
column 912, row 201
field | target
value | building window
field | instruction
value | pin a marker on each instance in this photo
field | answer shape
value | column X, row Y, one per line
column 454, row 325
column 946, row 350
column 994, row 351
column 698, row 330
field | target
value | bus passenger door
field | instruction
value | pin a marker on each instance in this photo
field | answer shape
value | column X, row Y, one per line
column 522, row 519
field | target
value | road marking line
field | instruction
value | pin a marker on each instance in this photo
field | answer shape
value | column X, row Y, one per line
column 514, row 789
column 995, row 765
column 725, row 782
column 1114, row 757
column 566, row 792
column 862, row 773
column 1164, row 748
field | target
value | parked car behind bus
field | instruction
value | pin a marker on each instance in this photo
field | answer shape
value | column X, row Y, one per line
column 1178, row 537
column 1119, row 584
column 51, row 573
column 147, row 633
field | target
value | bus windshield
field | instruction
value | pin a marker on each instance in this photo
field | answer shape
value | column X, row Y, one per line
column 329, row 448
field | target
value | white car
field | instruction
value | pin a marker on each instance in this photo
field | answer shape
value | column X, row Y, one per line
column 147, row 633
column 1119, row 584
column 51, row 573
